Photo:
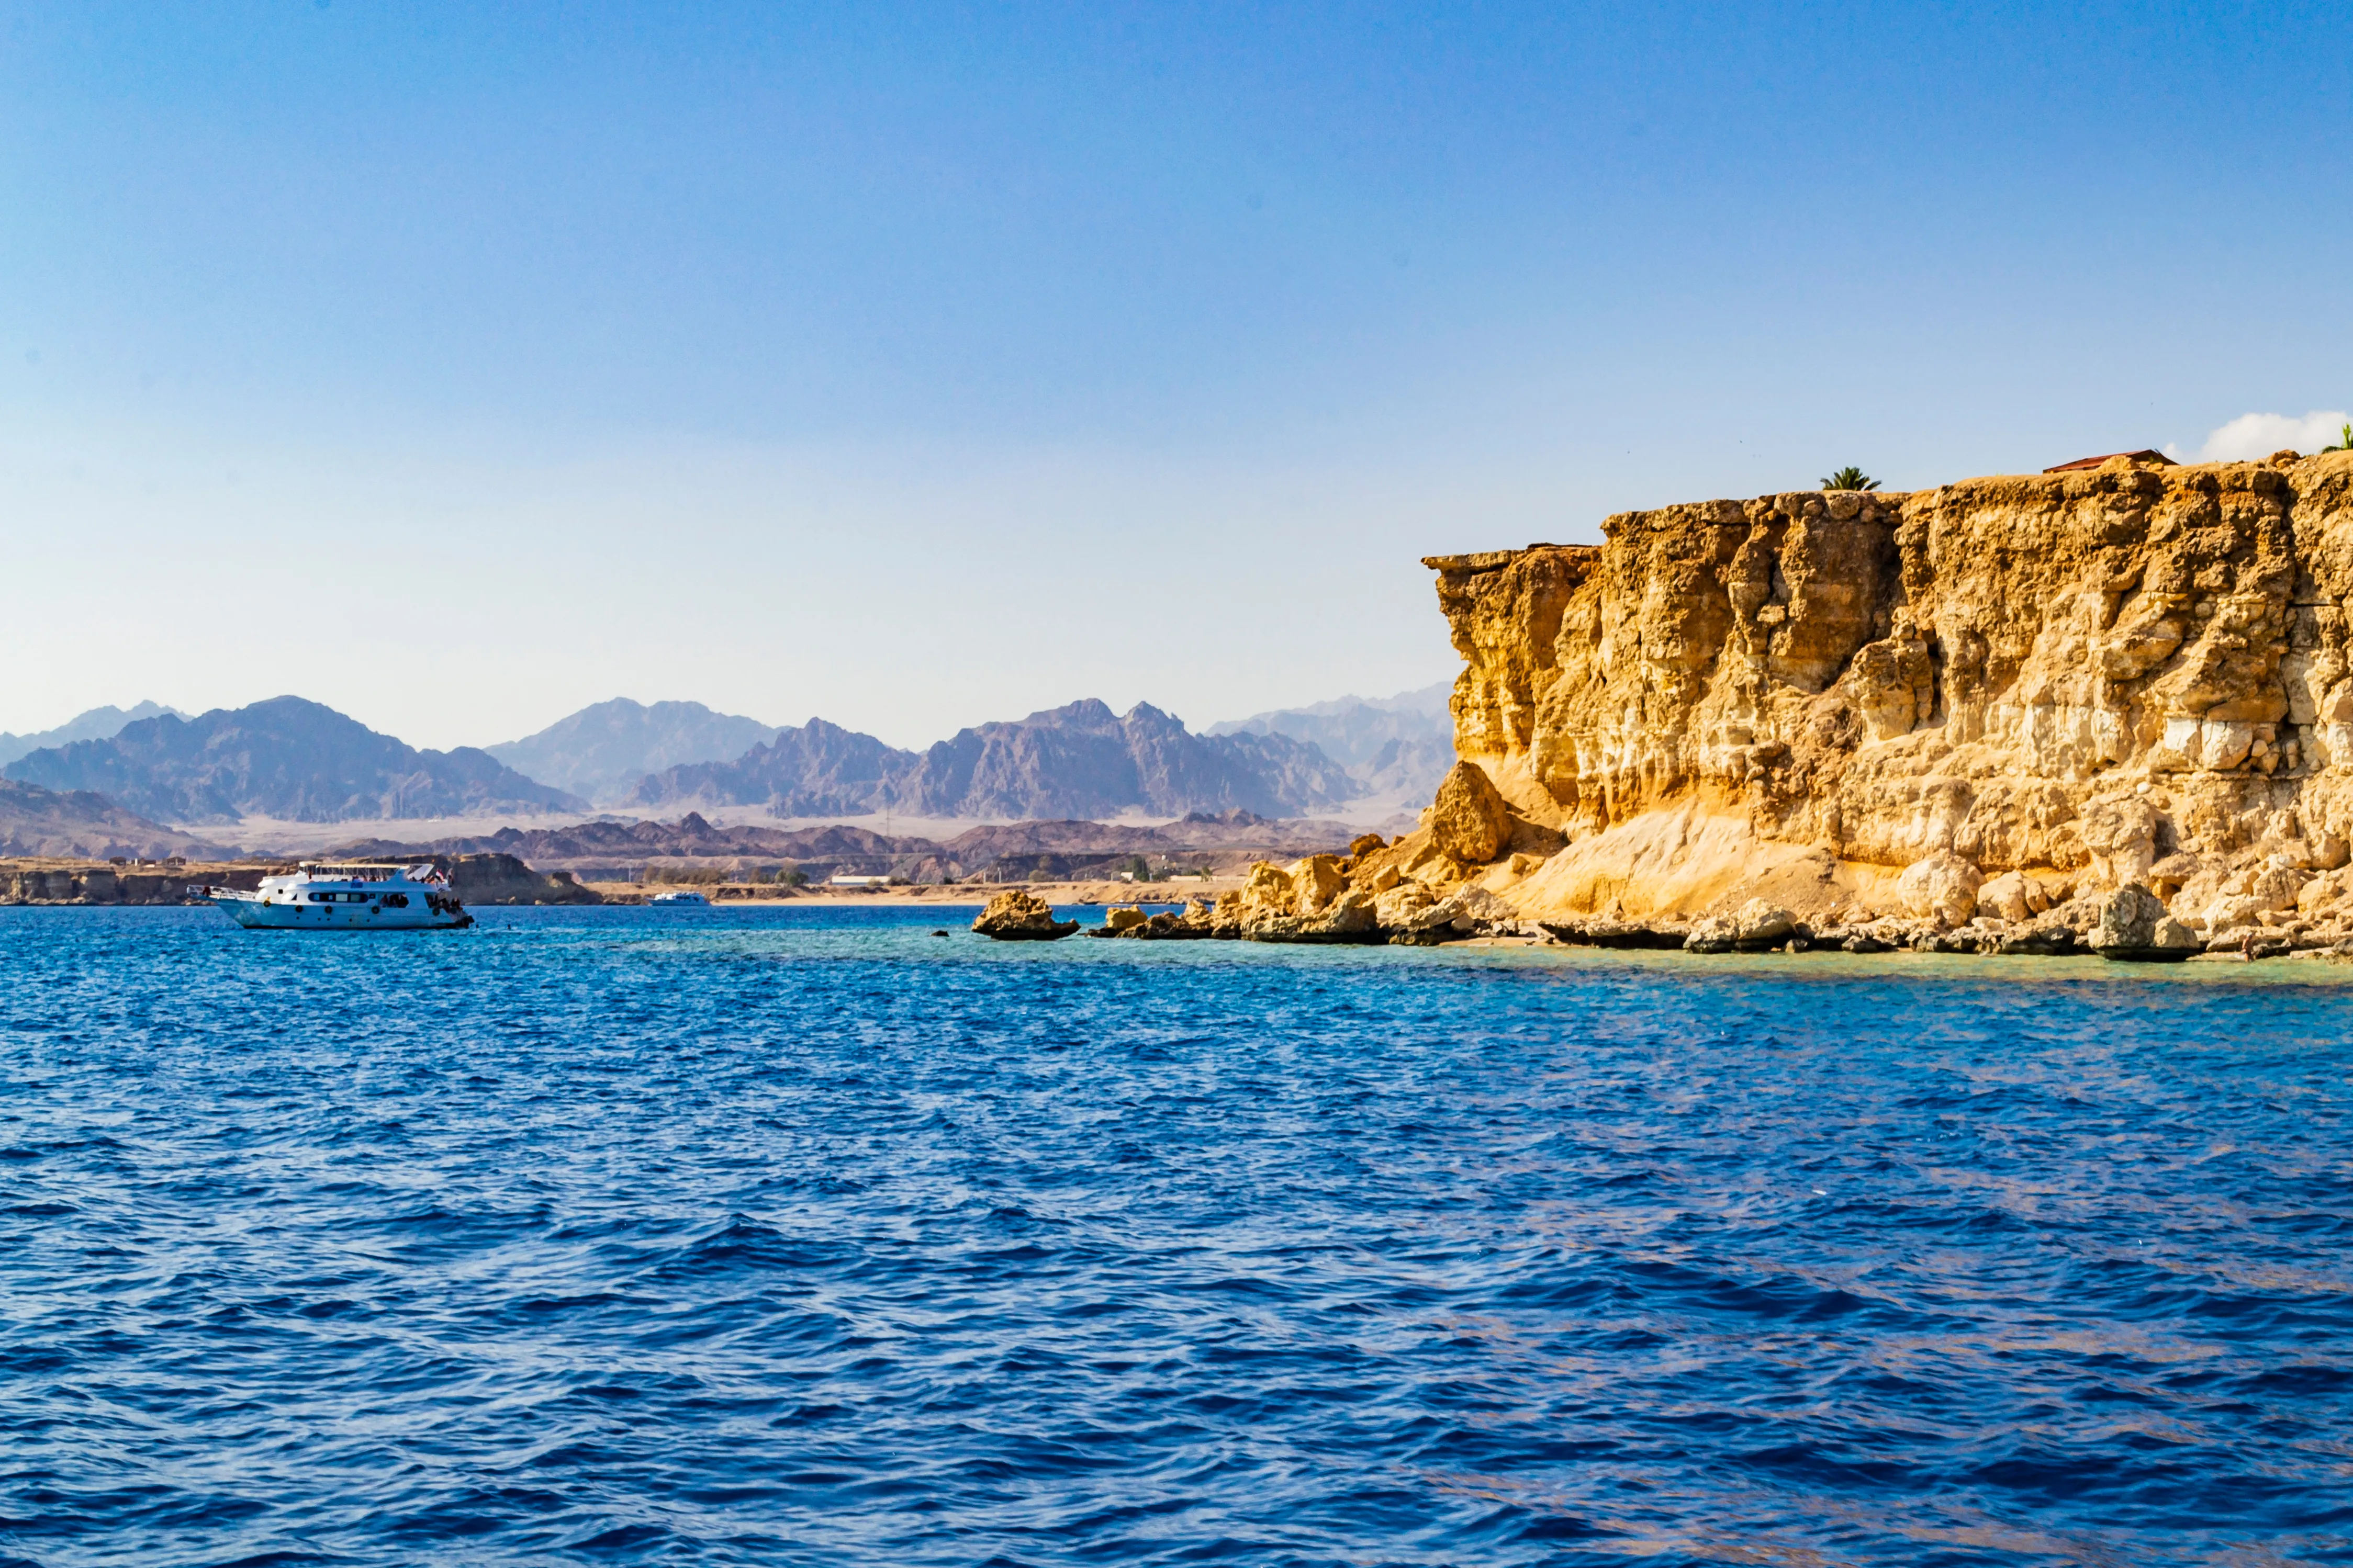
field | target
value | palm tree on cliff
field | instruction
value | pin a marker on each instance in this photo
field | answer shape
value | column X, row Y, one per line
column 1850, row 478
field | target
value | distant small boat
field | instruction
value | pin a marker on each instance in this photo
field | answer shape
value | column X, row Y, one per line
column 679, row 899
column 328, row 896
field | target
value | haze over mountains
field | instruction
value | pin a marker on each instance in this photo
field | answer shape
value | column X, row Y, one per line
column 285, row 758
column 1393, row 747
column 600, row 752
column 1079, row 760
column 296, row 760
column 97, row 724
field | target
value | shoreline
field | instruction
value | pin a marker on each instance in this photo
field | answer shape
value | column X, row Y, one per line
column 1082, row 893
column 57, row 882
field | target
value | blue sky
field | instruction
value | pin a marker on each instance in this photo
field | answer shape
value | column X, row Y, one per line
column 913, row 365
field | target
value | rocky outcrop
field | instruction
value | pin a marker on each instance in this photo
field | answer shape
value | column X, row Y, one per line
column 2135, row 927
column 1984, row 707
column 1755, row 927
column 1019, row 915
column 1468, row 820
column 1198, row 921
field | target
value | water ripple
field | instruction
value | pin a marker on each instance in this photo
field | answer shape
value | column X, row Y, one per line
column 740, row 1236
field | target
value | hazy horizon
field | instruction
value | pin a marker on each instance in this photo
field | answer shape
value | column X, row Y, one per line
column 1198, row 726
column 458, row 369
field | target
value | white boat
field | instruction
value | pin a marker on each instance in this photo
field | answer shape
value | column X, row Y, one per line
column 679, row 899
column 323, row 895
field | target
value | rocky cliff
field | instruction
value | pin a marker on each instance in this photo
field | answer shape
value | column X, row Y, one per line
column 1987, row 698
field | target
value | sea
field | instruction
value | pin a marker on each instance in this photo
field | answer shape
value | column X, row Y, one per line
column 835, row 1234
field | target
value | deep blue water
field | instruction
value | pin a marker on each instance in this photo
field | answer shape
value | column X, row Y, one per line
column 630, row 1235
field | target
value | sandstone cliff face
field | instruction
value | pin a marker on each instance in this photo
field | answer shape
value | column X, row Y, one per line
column 2076, row 678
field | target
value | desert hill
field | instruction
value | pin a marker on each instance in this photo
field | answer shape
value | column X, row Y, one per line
column 38, row 822
column 286, row 758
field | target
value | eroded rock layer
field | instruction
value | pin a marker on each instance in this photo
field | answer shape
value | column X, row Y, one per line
column 1865, row 705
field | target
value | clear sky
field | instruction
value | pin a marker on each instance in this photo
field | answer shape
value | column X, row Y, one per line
column 915, row 365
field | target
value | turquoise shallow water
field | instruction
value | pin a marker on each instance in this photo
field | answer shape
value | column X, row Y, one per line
column 631, row 1236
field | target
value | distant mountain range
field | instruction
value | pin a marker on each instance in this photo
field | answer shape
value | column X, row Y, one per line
column 1394, row 747
column 285, row 758
column 1008, row 851
column 1079, row 761
column 600, row 752
column 97, row 724
column 301, row 761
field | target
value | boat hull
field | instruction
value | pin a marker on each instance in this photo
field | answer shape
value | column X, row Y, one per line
column 255, row 915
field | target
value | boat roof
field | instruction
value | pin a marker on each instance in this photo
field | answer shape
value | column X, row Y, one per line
column 338, row 866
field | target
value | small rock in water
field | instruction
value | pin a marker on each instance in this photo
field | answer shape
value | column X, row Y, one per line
column 1019, row 915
